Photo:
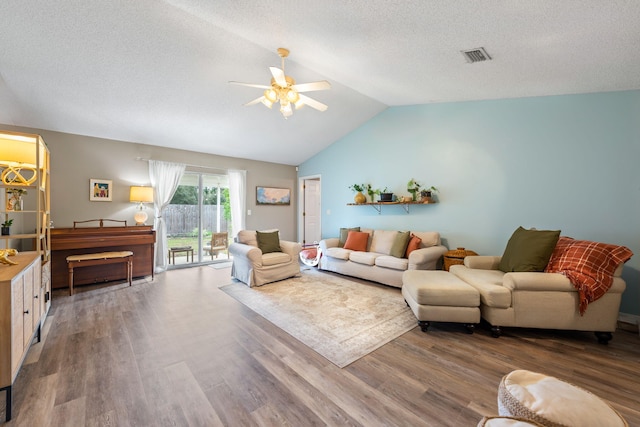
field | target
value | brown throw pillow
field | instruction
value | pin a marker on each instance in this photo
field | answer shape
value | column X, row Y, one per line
column 414, row 243
column 399, row 247
column 344, row 232
column 528, row 250
column 357, row 241
column 268, row 241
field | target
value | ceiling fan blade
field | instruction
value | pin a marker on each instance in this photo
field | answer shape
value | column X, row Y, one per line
column 313, row 103
column 254, row 102
column 310, row 87
column 278, row 76
column 250, row 85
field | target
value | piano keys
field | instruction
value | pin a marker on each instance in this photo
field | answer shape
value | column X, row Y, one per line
column 86, row 240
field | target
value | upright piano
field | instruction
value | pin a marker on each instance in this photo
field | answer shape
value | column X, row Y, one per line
column 86, row 240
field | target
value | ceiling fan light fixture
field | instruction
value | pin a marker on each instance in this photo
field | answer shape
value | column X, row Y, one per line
column 285, row 109
column 271, row 95
column 292, row 96
column 283, row 89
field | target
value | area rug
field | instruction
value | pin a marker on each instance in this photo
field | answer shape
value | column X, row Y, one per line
column 341, row 319
column 220, row 265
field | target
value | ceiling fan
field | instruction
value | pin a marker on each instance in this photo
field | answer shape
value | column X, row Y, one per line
column 283, row 89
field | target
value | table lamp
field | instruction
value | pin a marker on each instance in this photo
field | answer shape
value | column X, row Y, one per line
column 141, row 195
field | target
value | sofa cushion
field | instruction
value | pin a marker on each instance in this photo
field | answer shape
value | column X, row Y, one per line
column 248, row 237
column 275, row 258
column 344, row 233
column 414, row 243
column 588, row 265
column 487, row 282
column 382, row 241
column 366, row 258
column 390, row 261
column 399, row 247
column 429, row 238
column 268, row 241
column 337, row 253
column 356, row 241
column 528, row 250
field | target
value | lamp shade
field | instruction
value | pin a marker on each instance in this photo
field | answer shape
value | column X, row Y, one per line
column 141, row 194
column 20, row 156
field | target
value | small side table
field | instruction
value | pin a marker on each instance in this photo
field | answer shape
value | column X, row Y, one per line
column 177, row 250
column 456, row 257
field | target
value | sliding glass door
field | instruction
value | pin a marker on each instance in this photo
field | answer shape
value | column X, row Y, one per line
column 197, row 219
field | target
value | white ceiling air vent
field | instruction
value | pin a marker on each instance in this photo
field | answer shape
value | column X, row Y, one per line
column 476, row 55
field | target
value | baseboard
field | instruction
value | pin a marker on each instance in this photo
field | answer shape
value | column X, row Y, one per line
column 629, row 322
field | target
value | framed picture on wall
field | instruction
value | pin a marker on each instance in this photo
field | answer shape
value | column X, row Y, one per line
column 273, row 196
column 100, row 190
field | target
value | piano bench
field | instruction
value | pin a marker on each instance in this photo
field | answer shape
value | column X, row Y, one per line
column 100, row 258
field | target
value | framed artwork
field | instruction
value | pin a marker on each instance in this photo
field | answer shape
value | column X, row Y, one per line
column 100, row 190
column 273, row 196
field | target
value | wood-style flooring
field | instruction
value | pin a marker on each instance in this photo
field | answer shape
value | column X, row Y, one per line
column 180, row 352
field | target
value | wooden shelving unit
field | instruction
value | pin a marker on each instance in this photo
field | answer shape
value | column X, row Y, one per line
column 25, row 164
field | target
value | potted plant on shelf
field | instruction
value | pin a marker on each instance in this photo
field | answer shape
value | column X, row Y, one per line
column 427, row 194
column 372, row 192
column 359, row 197
column 385, row 196
column 413, row 187
column 5, row 227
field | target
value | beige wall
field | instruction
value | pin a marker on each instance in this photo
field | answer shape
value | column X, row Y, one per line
column 75, row 159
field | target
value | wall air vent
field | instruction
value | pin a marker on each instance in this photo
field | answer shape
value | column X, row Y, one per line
column 476, row 55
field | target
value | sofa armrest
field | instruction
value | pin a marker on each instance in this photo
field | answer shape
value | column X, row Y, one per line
column 331, row 242
column 426, row 258
column 549, row 282
column 251, row 253
column 291, row 248
column 482, row 262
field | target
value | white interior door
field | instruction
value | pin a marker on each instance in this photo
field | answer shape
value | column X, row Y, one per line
column 311, row 213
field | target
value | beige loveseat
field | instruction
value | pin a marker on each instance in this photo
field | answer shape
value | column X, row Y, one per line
column 376, row 264
column 538, row 299
column 255, row 268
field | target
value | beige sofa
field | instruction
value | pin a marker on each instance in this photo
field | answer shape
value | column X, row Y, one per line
column 538, row 300
column 254, row 268
column 376, row 264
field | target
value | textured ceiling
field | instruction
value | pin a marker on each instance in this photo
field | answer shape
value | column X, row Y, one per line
column 157, row 72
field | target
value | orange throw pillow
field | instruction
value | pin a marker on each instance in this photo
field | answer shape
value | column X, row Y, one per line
column 357, row 241
column 414, row 243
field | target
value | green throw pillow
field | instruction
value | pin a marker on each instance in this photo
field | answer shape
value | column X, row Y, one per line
column 268, row 241
column 399, row 246
column 528, row 250
column 344, row 233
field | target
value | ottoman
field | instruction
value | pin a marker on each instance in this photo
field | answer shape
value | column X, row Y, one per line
column 552, row 402
column 439, row 296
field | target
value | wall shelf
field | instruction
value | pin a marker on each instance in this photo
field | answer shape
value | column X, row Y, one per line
column 378, row 205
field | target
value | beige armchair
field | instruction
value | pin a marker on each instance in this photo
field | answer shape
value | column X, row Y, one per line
column 255, row 268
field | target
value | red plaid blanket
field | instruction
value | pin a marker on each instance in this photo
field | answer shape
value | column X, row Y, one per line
column 588, row 265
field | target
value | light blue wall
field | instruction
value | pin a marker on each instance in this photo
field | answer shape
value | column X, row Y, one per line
column 559, row 162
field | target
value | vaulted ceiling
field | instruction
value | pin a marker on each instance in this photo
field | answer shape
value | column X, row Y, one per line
column 157, row 72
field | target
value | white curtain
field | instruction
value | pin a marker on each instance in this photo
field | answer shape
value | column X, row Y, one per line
column 237, row 196
column 165, row 178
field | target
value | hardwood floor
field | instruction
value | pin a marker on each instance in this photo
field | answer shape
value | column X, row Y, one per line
column 178, row 351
